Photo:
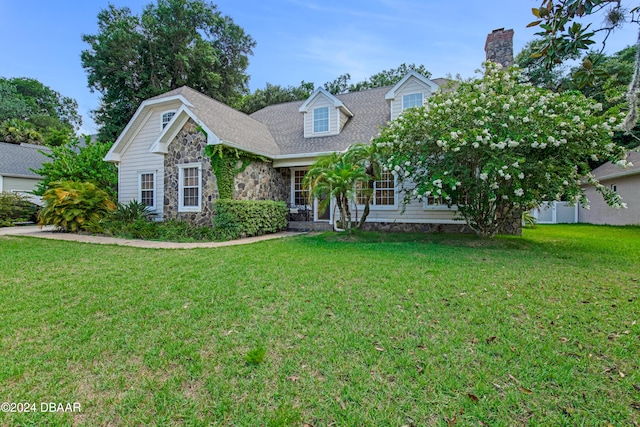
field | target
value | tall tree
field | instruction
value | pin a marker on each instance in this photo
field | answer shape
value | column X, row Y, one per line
column 12, row 105
column 171, row 44
column 536, row 71
column 44, row 101
column 564, row 34
column 33, row 112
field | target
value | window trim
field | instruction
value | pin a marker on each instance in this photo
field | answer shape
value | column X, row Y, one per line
column 412, row 94
column 293, row 187
column 162, row 116
column 374, row 206
column 140, row 190
column 328, row 121
column 181, row 206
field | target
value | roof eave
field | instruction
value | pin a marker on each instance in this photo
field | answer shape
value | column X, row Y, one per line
column 619, row 175
column 16, row 175
column 392, row 92
column 120, row 142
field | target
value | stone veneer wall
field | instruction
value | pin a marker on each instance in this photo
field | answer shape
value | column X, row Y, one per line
column 513, row 227
column 259, row 181
column 403, row 227
column 188, row 147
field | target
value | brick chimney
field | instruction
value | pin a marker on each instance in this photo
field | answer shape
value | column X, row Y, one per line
column 499, row 47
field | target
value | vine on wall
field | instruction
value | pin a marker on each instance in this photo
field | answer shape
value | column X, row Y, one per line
column 224, row 161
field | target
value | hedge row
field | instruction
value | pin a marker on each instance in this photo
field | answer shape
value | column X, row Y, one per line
column 245, row 218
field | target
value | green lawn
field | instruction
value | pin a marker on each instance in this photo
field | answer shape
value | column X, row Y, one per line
column 372, row 330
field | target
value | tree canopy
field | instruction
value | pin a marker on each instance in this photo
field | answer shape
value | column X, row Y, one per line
column 171, row 44
column 564, row 35
column 274, row 94
column 609, row 91
column 33, row 112
column 383, row 78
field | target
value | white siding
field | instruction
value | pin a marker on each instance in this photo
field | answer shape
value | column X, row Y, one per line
column 321, row 101
column 412, row 85
column 137, row 158
column 414, row 213
column 343, row 119
column 23, row 186
column 10, row 184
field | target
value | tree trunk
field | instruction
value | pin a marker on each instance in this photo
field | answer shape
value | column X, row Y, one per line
column 365, row 213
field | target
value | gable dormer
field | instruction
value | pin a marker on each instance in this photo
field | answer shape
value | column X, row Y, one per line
column 323, row 114
column 412, row 91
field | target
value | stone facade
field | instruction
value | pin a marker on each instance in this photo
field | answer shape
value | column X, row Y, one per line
column 259, row 181
column 513, row 227
column 404, row 227
column 499, row 47
column 188, row 148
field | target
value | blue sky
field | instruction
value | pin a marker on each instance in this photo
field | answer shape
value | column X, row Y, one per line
column 311, row 40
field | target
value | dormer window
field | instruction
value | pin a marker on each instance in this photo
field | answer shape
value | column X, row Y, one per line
column 321, row 120
column 166, row 118
column 411, row 100
column 324, row 114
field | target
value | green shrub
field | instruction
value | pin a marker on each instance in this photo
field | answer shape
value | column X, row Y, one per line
column 141, row 228
column 74, row 206
column 15, row 208
column 132, row 211
column 245, row 218
column 80, row 162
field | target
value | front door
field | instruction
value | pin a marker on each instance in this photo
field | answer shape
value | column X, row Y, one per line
column 324, row 215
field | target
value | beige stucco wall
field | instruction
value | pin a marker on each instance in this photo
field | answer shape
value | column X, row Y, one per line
column 600, row 213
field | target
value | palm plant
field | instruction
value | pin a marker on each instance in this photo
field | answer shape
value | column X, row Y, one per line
column 367, row 156
column 335, row 177
column 73, row 206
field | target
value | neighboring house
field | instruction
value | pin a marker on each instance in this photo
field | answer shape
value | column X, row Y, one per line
column 17, row 163
column 161, row 160
column 625, row 182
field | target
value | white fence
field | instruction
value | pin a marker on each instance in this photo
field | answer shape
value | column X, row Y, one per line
column 556, row 213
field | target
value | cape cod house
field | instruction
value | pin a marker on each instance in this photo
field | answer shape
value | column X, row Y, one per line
column 161, row 160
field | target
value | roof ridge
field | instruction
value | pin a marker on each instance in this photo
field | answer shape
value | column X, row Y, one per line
column 208, row 98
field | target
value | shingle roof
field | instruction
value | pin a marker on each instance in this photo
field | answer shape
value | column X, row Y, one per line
column 228, row 124
column 609, row 170
column 284, row 121
column 18, row 160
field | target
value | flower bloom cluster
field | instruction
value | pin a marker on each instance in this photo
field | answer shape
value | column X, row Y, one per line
column 502, row 143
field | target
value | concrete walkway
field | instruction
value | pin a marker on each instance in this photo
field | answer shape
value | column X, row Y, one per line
column 49, row 233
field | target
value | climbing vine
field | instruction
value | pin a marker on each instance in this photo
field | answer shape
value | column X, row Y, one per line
column 224, row 161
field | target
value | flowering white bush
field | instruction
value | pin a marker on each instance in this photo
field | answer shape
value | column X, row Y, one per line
column 496, row 146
